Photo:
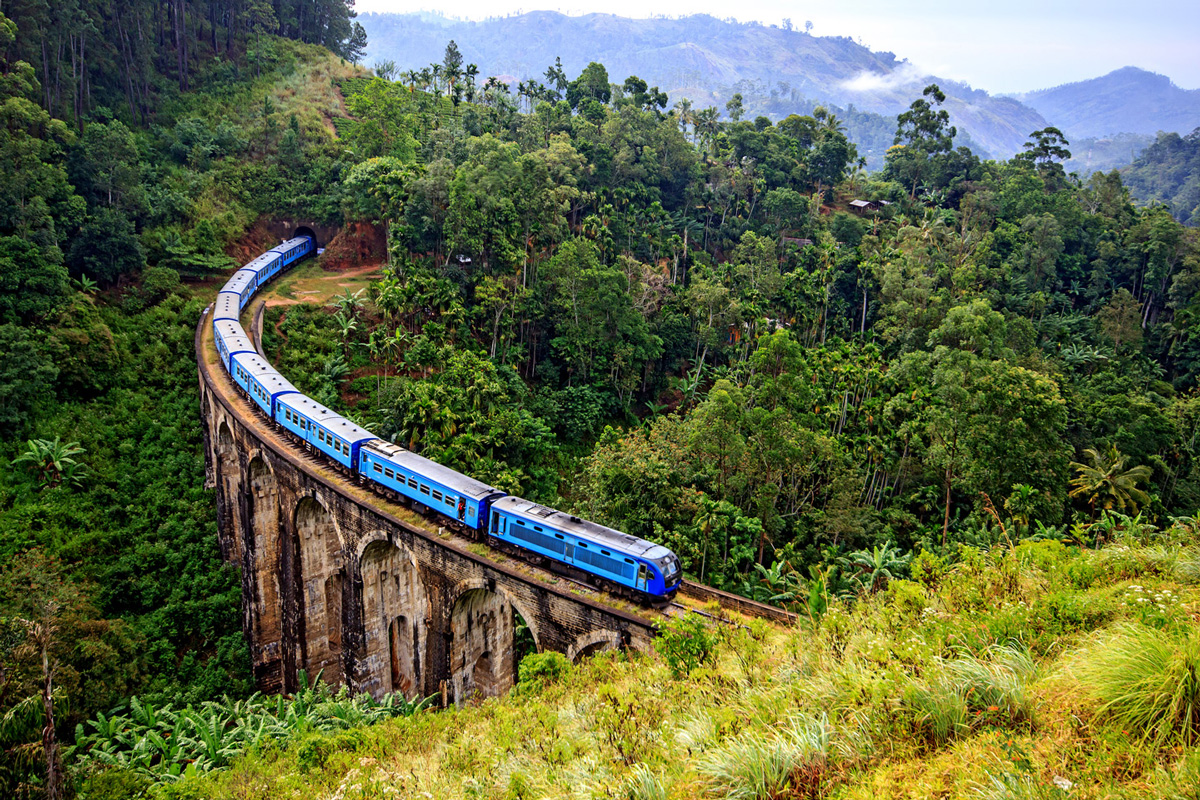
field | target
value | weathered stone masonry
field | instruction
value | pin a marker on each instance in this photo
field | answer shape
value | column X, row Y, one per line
column 332, row 582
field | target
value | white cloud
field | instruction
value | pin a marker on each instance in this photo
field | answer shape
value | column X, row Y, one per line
column 867, row 81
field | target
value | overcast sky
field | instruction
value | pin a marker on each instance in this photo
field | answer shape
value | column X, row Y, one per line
column 1000, row 46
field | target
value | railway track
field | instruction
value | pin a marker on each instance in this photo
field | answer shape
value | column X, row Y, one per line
column 695, row 591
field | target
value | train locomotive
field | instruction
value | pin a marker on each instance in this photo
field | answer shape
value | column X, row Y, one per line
column 630, row 566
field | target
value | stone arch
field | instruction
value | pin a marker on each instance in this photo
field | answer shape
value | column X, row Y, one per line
column 481, row 626
column 588, row 644
column 229, row 528
column 260, row 547
column 396, row 616
column 469, row 584
column 226, row 448
column 322, row 582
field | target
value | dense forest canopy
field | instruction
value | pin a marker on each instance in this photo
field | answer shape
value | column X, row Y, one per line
column 717, row 332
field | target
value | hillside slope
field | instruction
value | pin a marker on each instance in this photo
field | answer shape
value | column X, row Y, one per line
column 1128, row 100
column 777, row 71
column 984, row 679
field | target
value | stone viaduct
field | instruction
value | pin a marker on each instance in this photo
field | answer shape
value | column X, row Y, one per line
column 339, row 581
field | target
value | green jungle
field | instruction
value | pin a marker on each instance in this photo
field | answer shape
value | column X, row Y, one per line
column 953, row 427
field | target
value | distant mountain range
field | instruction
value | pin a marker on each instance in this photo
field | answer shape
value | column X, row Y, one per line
column 1128, row 100
column 780, row 71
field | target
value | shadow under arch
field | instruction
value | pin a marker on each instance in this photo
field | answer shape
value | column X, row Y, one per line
column 321, row 583
column 395, row 608
column 261, row 553
column 483, row 639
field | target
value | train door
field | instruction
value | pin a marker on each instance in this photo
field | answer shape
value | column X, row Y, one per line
column 569, row 551
column 642, row 576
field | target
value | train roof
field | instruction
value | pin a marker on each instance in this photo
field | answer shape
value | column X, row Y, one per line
column 308, row 407
column 347, row 430
column 229, row 327
column 235, row 338
column 227, row 306
column 241, row 279
column 264, row 373
column 584, row 529
column 450, row 478
column 283, row 247
column 262, row 262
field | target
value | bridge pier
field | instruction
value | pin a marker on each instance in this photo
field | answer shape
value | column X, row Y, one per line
column 335, row 582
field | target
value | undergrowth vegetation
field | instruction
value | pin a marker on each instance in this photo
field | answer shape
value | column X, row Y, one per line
column 918, row 690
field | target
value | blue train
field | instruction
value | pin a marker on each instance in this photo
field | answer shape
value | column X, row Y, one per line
column 631, row 566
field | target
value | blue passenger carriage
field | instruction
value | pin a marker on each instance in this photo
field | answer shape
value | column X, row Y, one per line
column 259, row 380
column 616, row 557
column 292, row 251
column 227, row 306
column 244, row 284
column 231, row 340
column 265, row 267
column 441, row 489
column 325, row 430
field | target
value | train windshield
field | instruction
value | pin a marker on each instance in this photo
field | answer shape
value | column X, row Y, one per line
column 670, row 568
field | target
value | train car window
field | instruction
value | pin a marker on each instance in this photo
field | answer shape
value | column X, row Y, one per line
column 495, row 521
column 424, row 489
column 450, row 501
column 412, row 482
column 629, row 561
column 388, row 472
column 437, row 495
column 605, row 552
column 583, row 544
column 537, row 527
column 558, row 536
column 378, row 468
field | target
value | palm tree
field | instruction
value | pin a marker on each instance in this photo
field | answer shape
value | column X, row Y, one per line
column 53, row 462
column 873, row 569
column 349, row 303
column 347, row 325
column 1106, row 481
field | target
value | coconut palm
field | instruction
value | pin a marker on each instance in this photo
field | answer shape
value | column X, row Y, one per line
column 1107, row 483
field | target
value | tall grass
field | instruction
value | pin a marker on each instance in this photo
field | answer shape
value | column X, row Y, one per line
column 1147, row 682
column 966, row 693
column 755, row 766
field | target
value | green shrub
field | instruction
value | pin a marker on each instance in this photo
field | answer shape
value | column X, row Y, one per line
column 115, row 784
column 685, row 642
column 1062, row 613
column 626, row 722
column 538, row 670
column 928, row 569
column 1147, row 682
column 1044, row 555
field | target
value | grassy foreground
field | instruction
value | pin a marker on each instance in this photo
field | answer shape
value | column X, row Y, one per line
column 1031, row 671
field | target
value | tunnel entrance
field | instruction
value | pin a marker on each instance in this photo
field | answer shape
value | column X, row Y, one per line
column 304, row 230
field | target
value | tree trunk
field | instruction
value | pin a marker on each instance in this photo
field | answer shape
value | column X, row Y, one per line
column 54, row 787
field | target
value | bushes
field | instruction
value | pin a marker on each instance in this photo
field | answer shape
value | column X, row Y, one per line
column 538, row 670
column 685, row 642
column 1147, row 682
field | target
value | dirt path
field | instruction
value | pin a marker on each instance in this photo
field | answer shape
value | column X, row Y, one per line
column 311, row 284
